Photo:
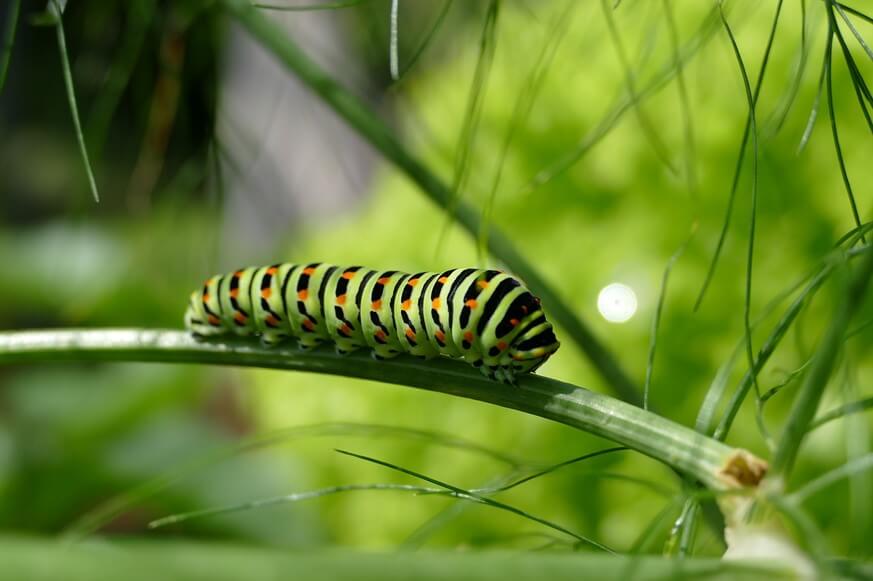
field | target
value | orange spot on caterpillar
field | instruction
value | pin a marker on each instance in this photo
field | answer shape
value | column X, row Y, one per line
column 341, row 300
column 471, row 303
column 206, row 298
column 266, row 292
column 468, row 336
column 443, row 279
column 234, row 293
column 384, row 280
column 271, row 320
column 345, row 330
column 514, row 322
column 410, row 333
column 502, row 345
column 272, row 270
column 309, row 324
column 238, row 274
column 213, row 320
column 308, row 271
column 376, row 305
column 348, row 275
column 406, row 304
column 435, row 303
column 380, row 334
column 440, row 336
column 302, row 295
column 239, row 317
column 482, row 283
column 412, row 282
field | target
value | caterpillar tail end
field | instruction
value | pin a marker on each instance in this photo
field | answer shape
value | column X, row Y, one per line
column 196, row 321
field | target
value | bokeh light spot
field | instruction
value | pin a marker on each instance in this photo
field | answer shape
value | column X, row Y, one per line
column 617, row 302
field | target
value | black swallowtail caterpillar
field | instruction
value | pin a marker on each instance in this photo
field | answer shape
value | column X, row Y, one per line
column 485, row 317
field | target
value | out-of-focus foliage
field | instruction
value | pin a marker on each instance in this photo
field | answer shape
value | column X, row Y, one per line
column 72, row 437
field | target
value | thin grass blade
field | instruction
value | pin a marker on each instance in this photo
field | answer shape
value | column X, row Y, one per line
column 832, row 116
column 806, row 403
column 656, row 319
column 523, row 105
column 841, row 412
column 622, row 105
column 285, row 499
column 472, row 117
column 648, row 128
column 71, row 97
column 428, row 37
column 830, row 478
column 684, row 99
column 750, row 128
column 94, row 520
column 461, row 493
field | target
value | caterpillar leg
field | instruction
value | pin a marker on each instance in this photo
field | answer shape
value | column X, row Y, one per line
column 308, row 343
column 382, row 353
column 273, row 339
column 345, row 349
column 505, row 375
column 500, row 373
column 345, row 346
column 486, row 370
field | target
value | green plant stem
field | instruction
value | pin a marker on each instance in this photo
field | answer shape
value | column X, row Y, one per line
column 806, row 403
column 677, row 446
column 359, row 116
column 71, row 98
column 178, row 559
column 766, row 351
column 841, row 412
column 851, row 467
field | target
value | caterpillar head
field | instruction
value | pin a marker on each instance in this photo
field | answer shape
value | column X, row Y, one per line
column 533, row 347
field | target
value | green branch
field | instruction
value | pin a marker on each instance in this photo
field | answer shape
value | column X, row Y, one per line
column 368, row 124
column 713, row 463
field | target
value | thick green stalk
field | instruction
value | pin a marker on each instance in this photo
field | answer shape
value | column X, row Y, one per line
column 713, row 463
column 42, row 559
column 368, row 124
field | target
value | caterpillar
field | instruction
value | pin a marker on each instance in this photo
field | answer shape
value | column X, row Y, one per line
column 485, row 317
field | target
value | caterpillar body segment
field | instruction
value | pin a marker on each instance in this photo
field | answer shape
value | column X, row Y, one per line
column 485, row 317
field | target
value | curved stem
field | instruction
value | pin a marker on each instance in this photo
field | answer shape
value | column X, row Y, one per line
column 713, row 463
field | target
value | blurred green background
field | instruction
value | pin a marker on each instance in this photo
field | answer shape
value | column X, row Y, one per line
column 208, row 158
